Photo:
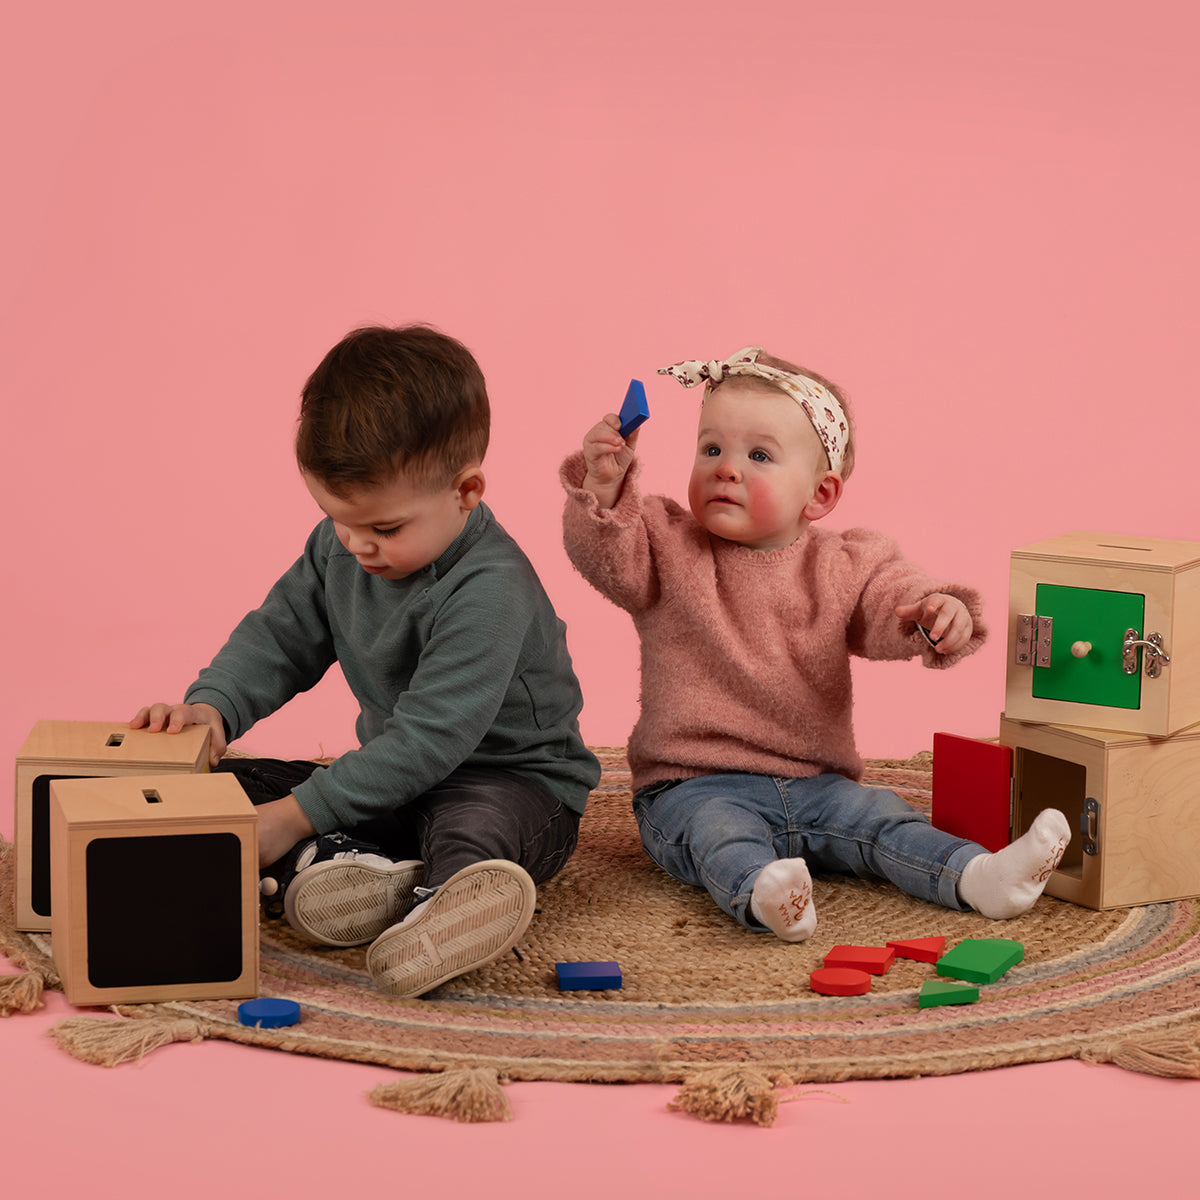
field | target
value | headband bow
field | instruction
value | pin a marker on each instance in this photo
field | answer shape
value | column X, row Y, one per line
column 819, row 403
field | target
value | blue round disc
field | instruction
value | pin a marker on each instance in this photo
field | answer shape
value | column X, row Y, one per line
column 269, row 1013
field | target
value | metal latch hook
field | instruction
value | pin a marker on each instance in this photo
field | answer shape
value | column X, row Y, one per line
column 1153, row 654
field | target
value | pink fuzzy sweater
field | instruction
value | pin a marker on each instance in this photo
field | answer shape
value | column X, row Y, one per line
column 746, row 653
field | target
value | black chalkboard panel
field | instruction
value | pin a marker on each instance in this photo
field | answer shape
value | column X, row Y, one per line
column 164, row 909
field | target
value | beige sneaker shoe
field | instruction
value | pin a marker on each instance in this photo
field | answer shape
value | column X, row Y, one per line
column 474, row 917
column 344, row 895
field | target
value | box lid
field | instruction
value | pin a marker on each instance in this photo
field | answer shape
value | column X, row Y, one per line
column 1109, row 738
column 80, row 742
column 161, row 799
column 1110, row 549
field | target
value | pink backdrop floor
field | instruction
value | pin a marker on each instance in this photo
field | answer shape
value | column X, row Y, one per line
column 216, row 1119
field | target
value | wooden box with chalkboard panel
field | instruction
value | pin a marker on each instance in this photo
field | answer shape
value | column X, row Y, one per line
column 82, row 749
column 154, row 888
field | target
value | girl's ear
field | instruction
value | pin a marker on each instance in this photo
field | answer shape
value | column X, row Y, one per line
column 470, row 485
column 826, row 496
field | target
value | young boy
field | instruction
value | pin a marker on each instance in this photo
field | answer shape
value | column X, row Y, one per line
column 743, row 757
column 470, row 779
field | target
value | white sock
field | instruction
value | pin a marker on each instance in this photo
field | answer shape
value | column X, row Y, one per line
column 1008, row 883
column 782, row 899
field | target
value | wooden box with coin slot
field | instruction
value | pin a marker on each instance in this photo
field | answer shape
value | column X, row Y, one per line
column 82, row 749
column 154, row 883
column 1104, row 633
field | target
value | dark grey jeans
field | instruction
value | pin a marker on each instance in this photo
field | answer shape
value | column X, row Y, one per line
column 470, row 816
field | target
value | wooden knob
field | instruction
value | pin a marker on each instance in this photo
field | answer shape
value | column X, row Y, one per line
column 1081, row 649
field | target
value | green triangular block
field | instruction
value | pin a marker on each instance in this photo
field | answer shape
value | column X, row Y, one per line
column 981, row 960
column 935, row 992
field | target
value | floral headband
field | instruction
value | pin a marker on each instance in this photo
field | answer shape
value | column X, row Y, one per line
column 819, row 403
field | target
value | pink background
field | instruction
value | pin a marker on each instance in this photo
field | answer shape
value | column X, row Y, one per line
column 981, row 221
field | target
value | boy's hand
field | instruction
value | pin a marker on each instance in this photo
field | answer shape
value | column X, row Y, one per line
column 173, row 718
column 608, row 456
column 281, row 824
column 945, row 618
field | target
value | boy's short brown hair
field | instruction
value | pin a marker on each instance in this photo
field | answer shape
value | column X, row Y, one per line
column 385, row 401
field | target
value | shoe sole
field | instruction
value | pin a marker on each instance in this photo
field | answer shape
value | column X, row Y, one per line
column 473, row 918
column 349, row 903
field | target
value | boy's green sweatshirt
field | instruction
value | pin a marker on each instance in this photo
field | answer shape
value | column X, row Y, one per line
column 462, row 663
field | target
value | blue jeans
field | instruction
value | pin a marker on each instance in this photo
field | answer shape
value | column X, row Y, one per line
column 719, row 831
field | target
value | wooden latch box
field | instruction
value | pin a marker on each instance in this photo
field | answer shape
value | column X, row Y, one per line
column 1104, row 633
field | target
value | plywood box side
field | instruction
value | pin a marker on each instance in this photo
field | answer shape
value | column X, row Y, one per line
column 1153, row 836
column 66, row 931
column 1183, row 645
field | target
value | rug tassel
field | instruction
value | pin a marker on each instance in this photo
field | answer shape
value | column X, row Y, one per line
column 20, row 993
column 1172, row 1055
column 108, row 1043
column 466, row 1094
column 730, row 1094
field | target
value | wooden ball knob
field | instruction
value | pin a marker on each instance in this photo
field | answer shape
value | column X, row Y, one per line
column 1081, row 649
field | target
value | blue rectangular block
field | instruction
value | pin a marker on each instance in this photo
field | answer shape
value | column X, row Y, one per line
column 593, row 976
column 635, row 410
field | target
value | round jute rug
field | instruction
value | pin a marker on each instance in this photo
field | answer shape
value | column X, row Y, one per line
column 699, row 991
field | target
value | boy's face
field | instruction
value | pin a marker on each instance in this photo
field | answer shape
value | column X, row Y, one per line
column 759, row 467
column 398, row 528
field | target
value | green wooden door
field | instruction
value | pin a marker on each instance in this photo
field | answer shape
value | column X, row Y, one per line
column 1098, row 617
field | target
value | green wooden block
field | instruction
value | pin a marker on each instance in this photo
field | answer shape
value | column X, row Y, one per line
column 935, row 992
column 981, row 960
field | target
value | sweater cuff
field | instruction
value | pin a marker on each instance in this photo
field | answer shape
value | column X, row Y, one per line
column 979, row 632
column 310, row 795
column 628, row 507
column 219, row 701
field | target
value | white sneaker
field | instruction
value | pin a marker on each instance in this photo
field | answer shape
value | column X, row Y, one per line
column 473, row 918
column 345, row 892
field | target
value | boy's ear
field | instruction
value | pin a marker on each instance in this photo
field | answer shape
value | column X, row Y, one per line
column 825, row 498
column 469, row 484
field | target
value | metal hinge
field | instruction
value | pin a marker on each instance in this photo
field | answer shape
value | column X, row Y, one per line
column 1153, row 655
column 1089, row 825
column 1034, row 637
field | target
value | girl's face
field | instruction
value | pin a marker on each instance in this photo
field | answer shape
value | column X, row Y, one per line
column 760, row 474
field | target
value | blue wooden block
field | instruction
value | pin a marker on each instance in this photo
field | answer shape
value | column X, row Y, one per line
column 635, row 410
column 269, row 1013
column 592, row 976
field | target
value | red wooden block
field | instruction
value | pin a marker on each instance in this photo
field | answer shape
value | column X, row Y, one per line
column 922, row 949
column 839, row 981
column 875, row 959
